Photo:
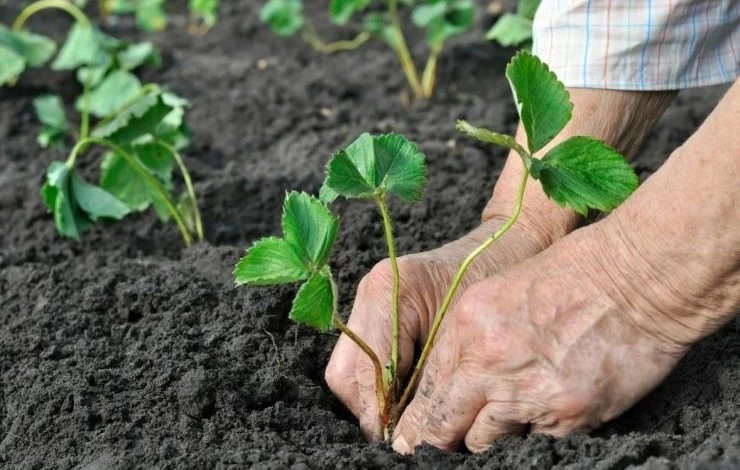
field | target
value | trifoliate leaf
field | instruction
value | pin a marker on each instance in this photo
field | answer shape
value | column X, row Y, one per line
column 484, row 135
column 310, row 227
column 400, row 167
column 342, row 10
column 585, row 173
column 35, row 49
column 114, row 92
column 285, row 17
column 270, row 261
column 96, row 202
column 50, row 111
column 150, row 15
column 387, row 162
column 81, row 48
column 543, row 102
column 137, row 118
column 135, row 55
column 314, row 303
column 11, row 64
column 510, row 30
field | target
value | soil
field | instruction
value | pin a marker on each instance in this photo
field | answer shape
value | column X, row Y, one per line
column 127, row 351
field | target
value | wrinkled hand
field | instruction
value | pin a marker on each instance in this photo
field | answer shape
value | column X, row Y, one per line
column 425, row 278
column 546, row 347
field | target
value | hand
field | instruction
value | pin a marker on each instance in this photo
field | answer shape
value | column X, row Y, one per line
column 547, row 347
column 425, row 278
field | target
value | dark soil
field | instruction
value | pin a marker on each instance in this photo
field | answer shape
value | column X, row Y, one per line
column 127, row 351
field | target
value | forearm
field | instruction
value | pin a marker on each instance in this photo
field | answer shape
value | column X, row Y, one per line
column 622, row 119
column 677, row 239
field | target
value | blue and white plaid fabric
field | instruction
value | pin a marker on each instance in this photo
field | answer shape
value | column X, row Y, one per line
column 639, row 44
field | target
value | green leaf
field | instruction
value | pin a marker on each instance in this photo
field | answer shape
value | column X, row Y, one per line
column 50, row 112
column 81, row 48
column 314, row 303
column 137, row 118
column 150, row 15
column 444, row 19
column 585, row 173
column 95, row 201
column 387, row 162
column 285, row 17
column 510, row 30
column 527, row 8
column 11, row 64
column 400, row 167
column 543, row 102
column 35, row 49
column 135, row 55
column 114, row 92
column 342, row 10
column 123, row 181
column 270, row 261
column 310, row 227
column 379, row 25
column 58, row 197
column 484, row 135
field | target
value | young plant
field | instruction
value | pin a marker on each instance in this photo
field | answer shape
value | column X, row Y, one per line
column 581, row 173
column 440, row 19
column 515, row 29
column 151, row 16
column 141, row 126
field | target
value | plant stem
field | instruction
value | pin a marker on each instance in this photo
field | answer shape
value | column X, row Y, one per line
column 402, row 50
column 309, row 35
column 429, row 78
column 413, row 382
column 388, row 228
column 82, row 145
column 379, row 386
column 36, row 7
column 85, row 111
column 188, row 185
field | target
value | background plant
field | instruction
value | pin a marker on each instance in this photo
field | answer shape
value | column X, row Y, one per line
column 151, row 14
column 142, row 127
column 515, row 29
column 581, row 173
column 440, row 19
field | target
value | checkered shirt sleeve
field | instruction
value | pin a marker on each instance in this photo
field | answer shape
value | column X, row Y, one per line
column 639, row 44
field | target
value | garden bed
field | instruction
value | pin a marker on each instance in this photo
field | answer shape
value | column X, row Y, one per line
column 126, row 350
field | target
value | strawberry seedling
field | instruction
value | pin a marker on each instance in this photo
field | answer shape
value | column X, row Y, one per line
column 440, row 19
column 141, row 127
column 151, row 16
column 515, row 29
column 581, row 173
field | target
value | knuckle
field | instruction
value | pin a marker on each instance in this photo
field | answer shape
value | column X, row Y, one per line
column 337, row 376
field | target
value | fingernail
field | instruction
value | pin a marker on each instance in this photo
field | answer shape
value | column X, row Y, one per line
column 401, row 446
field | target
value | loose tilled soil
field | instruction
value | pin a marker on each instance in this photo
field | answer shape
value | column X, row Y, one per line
column 128, row 351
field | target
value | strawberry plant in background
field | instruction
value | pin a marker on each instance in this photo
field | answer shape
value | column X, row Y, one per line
column 515, row 29
column 440, row 19
column 151, row 15
column 140, row 126
column 581, row 173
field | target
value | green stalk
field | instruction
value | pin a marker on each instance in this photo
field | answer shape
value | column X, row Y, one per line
column 312, row 39
column 188, row 185
column 82, row 145
column 413, row 382
column 402, row 50
column 388, row 228
column 36, row 7
column 85, row 112
column 429, row 78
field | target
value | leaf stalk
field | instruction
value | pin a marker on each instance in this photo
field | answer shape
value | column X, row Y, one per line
column 413, row 381
column 41, row 5
column 310, row 36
